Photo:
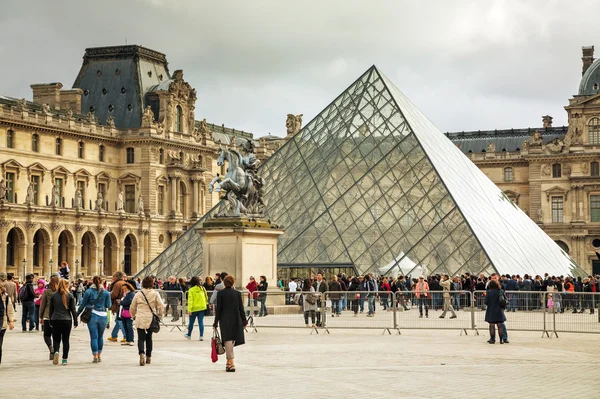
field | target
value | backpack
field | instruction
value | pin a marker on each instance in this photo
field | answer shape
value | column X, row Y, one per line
column 25, row 293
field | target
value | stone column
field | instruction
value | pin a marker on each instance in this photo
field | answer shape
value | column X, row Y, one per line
column 45, row 266
column 3, row 244
column 173, row 195
column 99, row 257
column 194, row 197
column 28, row 255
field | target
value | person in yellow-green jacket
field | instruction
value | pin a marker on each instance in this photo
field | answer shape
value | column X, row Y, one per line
column 197, row 304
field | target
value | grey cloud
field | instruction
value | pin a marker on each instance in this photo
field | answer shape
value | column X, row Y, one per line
column 468, row 65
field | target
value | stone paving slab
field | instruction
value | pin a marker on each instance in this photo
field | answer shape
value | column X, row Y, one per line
column 294, row 363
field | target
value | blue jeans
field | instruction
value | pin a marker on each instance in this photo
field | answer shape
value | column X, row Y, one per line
column 344, row 303
column 456, row 301
column 504, row 332
column 423, row 301
column 79, row 297
column 28, row 314
column 128, row 327
column 512, row 302
column 263, row 307
column 362, row 302
column 118, row 326
column 371, row 304
column 196, row 315
column 96, row 327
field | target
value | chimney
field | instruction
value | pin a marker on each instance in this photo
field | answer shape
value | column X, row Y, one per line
column 547, row 121
column 588, row 58
column 47, row 93
column 71, row 99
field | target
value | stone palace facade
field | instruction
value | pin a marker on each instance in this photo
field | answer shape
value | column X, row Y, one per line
column 552, row 173
column 107, row 174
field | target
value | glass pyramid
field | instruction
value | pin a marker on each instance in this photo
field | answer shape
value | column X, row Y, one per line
column 371, row 182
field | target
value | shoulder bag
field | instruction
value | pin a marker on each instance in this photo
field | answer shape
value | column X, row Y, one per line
column 502, row 299
column 155, row 324
column 86, row 315
column 216, row 346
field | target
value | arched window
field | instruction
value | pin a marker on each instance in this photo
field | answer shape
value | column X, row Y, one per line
column 178, row 119
column 508, row 174
column 556, row 170
column 10, row 139
column 58, row 148
column 594, row 131
column 161, row 156
column 35, row 142
column 80, row 147
column 101, row 153
column 595, row 169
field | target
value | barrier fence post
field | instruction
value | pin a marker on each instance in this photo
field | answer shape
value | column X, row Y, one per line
column 395, row 304
column 473, row 326
column 544, row 311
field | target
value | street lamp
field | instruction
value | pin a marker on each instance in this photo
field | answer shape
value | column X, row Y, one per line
column 76, row 265
column 24, row 268
column 101, row 271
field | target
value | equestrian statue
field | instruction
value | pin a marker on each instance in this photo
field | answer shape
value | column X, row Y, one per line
column 242, row 187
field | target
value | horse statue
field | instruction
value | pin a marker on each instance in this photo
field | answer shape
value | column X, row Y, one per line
column 241, row 186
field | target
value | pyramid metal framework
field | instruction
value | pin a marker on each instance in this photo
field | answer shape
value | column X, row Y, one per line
column 371, row 182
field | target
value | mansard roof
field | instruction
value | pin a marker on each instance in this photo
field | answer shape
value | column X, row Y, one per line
column 509, row 140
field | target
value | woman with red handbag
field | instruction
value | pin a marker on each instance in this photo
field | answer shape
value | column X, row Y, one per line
column 229, row 313
column 125, row 315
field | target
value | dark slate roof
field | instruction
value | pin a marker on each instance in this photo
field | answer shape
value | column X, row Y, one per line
column 590, row 81
column 506, row 140
column 114, row 80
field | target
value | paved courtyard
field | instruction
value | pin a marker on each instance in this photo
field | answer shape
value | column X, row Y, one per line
column 294, row 362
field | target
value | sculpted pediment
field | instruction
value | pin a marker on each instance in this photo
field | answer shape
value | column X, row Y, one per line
column 556, row 191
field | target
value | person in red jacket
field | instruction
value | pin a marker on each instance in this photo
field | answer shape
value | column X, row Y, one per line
column 252, row 287
column 385, row 289
column 422, row 295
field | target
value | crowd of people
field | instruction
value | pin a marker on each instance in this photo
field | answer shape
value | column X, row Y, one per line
column 57, row 306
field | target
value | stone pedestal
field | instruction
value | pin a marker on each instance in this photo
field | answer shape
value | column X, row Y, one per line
column 242, row 247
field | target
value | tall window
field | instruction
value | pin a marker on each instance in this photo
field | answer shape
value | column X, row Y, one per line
column 161, row 156
column 58, row 150
column 595, row 169
column 101, row 153
column 556, row 170
column 35, row 181
column 80, row 147
column 130, row 155
column 130, row 198
column 10, row 139
column 594, row 130
column 508, row 174
column 178, row 119
column 10, row 187
column 595, row 208
column 557, row 209
column 59, row 184
column 161, row 196
column 35, row 142
column 81, row 187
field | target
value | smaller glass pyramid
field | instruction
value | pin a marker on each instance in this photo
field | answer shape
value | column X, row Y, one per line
column 371, row 182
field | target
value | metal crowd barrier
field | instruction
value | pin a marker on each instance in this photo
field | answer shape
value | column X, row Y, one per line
column 175, row 315
column 525, row 311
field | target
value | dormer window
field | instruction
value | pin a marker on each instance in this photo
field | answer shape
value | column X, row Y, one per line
column 178, row 119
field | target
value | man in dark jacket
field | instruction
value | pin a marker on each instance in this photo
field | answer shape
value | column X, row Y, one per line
column 512, row 285
column 320, row 286
column 174, row 295
column 27, row 296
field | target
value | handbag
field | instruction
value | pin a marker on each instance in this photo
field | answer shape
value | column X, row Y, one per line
column 125, row 314
column 502, row 300
column 311, row 299
column 155, row 324
column 217, row 344
column 86, row 315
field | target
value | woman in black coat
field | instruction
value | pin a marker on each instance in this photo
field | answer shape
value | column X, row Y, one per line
column 494, row 314
column 230, row 313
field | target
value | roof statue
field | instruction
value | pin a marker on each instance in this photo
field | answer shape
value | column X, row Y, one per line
column 372, row 183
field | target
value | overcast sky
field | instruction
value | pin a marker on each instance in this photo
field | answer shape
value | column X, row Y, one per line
column 469, row 65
